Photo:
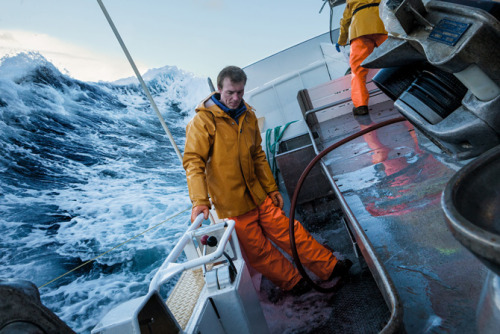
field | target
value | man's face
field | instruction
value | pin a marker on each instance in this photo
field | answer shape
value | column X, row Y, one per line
column 231, row 93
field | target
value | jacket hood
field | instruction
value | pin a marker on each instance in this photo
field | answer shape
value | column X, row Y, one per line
column 208, row 105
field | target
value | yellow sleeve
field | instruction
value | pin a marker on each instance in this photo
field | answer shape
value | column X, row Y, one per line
column 345, row 22
column 199, row 139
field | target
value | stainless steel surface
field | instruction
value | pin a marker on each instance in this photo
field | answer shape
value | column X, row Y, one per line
column 380, row 274
column 475, row 45
column 411, row 14
column 390, row 182
column 383, row 280
column 473, row 127
column 488, row 310
column 462, row 133
column 471, row 202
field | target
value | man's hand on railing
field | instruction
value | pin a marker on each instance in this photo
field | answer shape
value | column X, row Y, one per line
column 199, row 209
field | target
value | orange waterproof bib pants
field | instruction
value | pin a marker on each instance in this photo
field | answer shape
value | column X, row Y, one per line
column 361, row 47
column 258, row 227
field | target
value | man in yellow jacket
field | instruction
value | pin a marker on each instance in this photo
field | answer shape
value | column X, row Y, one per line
column 223, row 157
column 362, row 27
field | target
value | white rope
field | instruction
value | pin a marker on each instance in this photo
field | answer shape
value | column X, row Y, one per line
column 139, row 77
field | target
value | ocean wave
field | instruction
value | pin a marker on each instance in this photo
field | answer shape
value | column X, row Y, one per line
column 86, row 166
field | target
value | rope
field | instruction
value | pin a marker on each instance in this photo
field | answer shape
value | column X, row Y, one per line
column 331, row 25
column 271, row 148
column 332, row 4
column 123, row 243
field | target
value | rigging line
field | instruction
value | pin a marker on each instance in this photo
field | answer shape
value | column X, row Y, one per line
column 123, row 243
column 139, row 77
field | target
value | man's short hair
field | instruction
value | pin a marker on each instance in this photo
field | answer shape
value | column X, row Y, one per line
column 234, row 73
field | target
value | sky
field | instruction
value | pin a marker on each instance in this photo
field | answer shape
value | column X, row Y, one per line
column 197, row 36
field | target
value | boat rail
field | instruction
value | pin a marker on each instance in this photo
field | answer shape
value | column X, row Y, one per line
column 169, row 268
column 337, row 103
column 206, row 299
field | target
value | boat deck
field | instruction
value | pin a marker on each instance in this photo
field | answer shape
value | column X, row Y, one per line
column 389, row 183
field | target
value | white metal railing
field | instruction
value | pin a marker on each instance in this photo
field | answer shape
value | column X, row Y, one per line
column 170, row 268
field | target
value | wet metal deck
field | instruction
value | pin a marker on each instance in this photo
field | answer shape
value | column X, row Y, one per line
column 391, row 180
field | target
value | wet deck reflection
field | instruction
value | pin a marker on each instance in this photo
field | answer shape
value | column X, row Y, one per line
column 392, row 179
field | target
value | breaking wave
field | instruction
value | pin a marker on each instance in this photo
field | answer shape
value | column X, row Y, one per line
column 84, row 167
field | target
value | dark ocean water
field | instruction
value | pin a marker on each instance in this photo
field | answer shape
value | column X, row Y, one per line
column 84, row 167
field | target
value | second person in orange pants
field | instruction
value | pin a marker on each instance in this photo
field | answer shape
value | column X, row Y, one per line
column 362, row 27
column 361, row 48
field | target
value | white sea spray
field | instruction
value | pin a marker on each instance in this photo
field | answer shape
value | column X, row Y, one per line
column 85, row 167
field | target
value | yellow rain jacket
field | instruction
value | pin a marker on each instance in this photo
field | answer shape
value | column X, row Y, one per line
column 365, row 21
column 226, row 160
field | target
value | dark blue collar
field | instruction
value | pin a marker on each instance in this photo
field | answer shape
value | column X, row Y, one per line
column 233, row 113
